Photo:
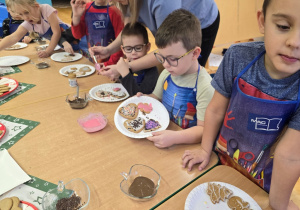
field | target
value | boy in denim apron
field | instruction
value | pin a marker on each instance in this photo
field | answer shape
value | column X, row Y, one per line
column 254, row 117
column 184, row 86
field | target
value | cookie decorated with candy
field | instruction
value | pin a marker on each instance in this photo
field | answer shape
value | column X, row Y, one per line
column 152, row 125
column 135, row 126
column 129, row 111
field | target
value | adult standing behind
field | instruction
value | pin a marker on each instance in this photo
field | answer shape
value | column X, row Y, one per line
column 152, row 13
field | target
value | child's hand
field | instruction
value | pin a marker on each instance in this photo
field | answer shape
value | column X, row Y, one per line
column 78, row 7
column 43, row 54
column 27, row 39
column 68, row 48
column 163, row 139
column 192, row 157
column 139, row 94
column 99, row 67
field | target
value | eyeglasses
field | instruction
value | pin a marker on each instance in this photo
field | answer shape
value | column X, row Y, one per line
column 137, row 48
column 170, row 59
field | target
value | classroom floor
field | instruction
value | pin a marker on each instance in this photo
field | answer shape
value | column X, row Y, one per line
column 64, row 12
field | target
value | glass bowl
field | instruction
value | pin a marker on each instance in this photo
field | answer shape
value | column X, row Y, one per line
column 145, row 189
column 77, row 102
column 92, row 122
column 75, row 187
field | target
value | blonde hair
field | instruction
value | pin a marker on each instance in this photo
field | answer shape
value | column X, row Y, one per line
column 11, row 4
column 134, row 10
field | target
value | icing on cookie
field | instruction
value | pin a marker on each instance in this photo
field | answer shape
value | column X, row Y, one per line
column 152, row 125
column 145, row 107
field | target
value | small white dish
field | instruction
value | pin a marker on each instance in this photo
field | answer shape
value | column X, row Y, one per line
column 65, row 57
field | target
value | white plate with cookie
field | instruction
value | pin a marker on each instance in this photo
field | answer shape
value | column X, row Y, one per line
column 109, row 92
column 65, row 57
column 17, row 46
column 199, row 198
column 81, row 70
column 145, row 121
column 7, row 86
column 13, row 60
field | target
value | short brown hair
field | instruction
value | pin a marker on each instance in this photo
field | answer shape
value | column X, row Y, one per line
column 265, row 6
column 137, row 29
column 180, row 25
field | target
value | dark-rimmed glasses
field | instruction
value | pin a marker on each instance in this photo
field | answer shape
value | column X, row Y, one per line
column 137, row 48
column 172, row 61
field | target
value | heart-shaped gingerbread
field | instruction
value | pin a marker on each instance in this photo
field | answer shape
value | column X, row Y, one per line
column 129, row 111
column 152, row 125
column 135, row 126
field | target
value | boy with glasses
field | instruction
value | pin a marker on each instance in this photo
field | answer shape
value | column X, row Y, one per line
column 184, row 86
column 135, row 44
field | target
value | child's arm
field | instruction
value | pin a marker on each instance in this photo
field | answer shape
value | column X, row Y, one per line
column 167, row 138
column 53, row 21
column 214, row 116
column 286, row 169
column 13, row 38
column 78, row 8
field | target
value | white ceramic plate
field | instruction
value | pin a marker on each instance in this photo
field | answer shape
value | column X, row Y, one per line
column 109, row 87
column 159, row 113
column 17, row 46
column 13, row 60
column 64, row 71
column 64, row 57
column 199, row 199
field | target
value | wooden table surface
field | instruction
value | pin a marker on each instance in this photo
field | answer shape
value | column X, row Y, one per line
column 224, row 174
column 58, row 149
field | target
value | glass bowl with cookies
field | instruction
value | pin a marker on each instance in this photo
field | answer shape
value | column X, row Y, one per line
column 141, row 183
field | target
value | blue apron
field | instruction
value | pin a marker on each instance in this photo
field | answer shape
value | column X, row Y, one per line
column 250, row 131
column 180, row 102
column 100, row 30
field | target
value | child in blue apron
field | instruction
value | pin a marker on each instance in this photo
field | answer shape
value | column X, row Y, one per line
column 135, row 44
column 98, row 24
column 184, row 86
column 42, row 19
column 257, row 98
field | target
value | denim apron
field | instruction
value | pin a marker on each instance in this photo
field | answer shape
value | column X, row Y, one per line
column 100, row 30
column 250, row 131
column 180, row 102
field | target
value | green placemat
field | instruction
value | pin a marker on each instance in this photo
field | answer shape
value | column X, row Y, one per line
column 31, row 191
column 23, row 87
column 16, row 128
column 9, row 70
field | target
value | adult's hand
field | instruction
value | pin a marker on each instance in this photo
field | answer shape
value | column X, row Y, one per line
column 110, row 72
column 99, row 52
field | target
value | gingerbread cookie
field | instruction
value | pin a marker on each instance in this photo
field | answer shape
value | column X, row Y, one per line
column 152, row 125
column 6, row 204
column 16, row 202
column 85, row 69
column 235, row 202
column 135, row 126
column 217, row 192
column 145, row 107
column 129, row 111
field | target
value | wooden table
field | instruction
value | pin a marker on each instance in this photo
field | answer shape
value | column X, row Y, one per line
column 58, row 149
column 225, row 174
